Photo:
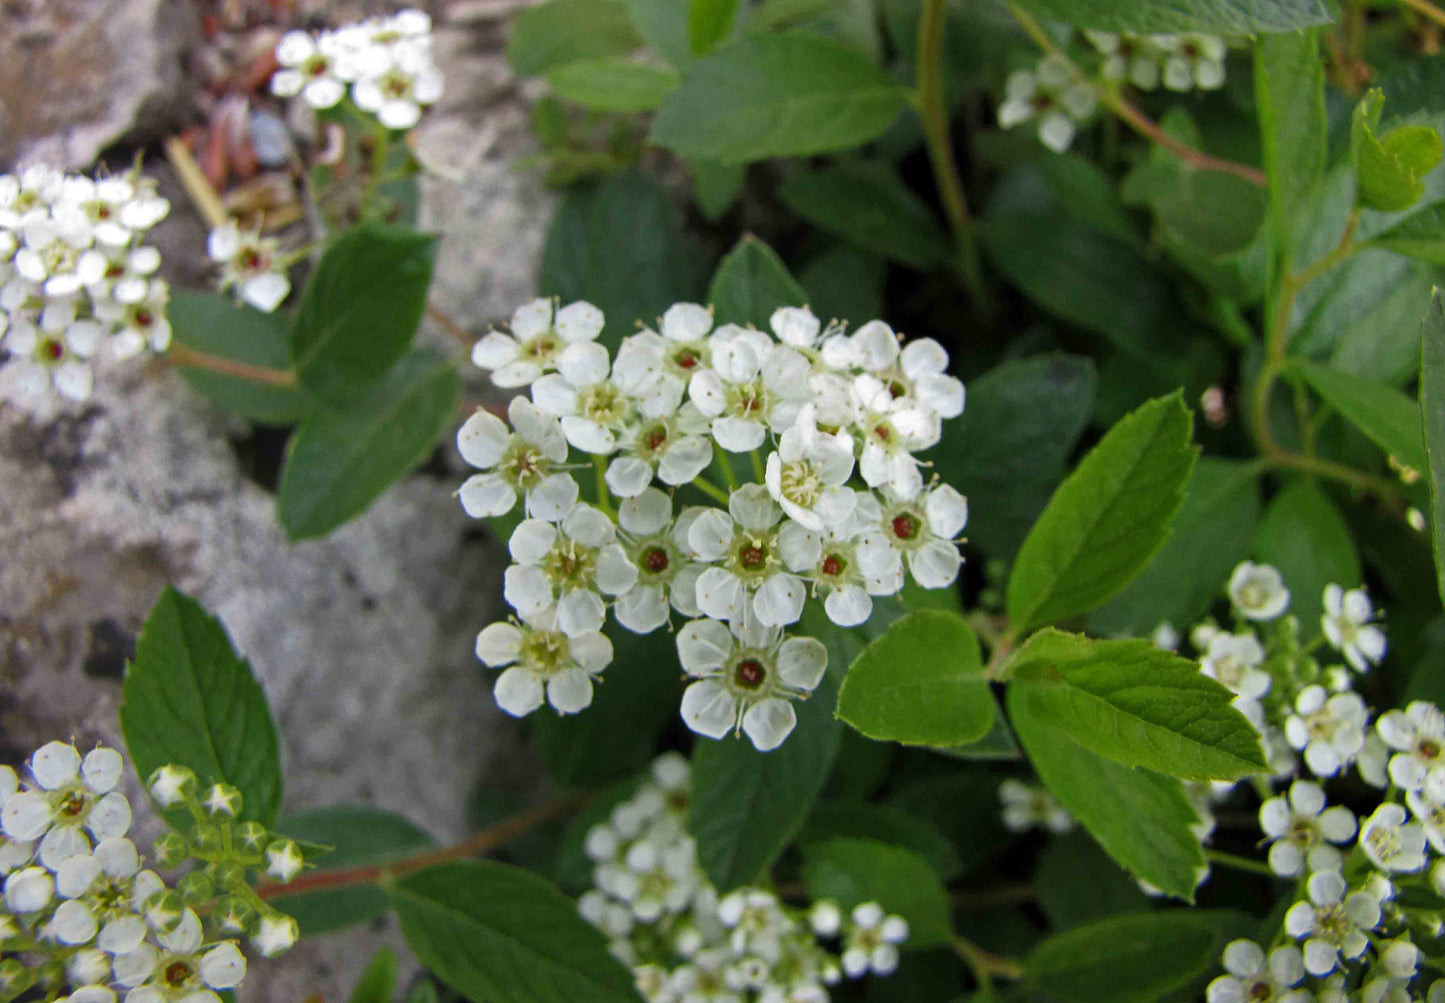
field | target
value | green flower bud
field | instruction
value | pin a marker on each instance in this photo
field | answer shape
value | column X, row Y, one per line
column 234, row 915
column 14, row 976
column 172, row 784
column 223, row 799
column 228, row 874
column 164, row 909
column 196, row 888
column 253, row 836
column 207, row 840
column 170, row 849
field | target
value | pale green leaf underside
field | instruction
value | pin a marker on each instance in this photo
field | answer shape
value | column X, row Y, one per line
column 1240, row 17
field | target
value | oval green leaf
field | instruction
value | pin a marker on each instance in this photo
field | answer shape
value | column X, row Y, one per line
column 613, row 83
column 1432, row 412
column 852, row 871
column 750, row 283
column 215, row 325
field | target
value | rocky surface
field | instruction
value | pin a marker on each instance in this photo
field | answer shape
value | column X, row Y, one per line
column 362, row 641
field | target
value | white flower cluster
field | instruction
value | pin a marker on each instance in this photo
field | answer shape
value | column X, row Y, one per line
column 686, row 944
column 1054, row 95
column 80, row 915
column 75, row 277
column 1026, row 806
column 838, row 507
column 1180, row 62
column 385, row 63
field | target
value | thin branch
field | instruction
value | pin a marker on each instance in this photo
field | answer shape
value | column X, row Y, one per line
column 451, row 327
column 193, row 179
column 1239, row 863
column 984, row 963
column 181, row 355
column 1427, row 9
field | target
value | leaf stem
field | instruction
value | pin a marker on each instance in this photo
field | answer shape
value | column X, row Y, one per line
column 1239, row 863
column 711, row 490
column 444, row 321
column 934, row 114
column 983, row 964
column 181, row 355
column 730, row 477
column 604, row 498
column 1136, row 119
column 476, row 845
column 1426, row 8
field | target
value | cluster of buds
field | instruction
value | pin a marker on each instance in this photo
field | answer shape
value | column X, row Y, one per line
column 686, row 944
column 1179, row 62
column 75, row 278
column 83, row 919
column 752, row 471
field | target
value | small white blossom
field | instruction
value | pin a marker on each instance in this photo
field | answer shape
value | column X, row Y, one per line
column 250, row 265
column 923, row 530
column 1028, row 805
column 73, row 798
column 543, row 661
column 1333, row 923
column 846, row 562
column 754, row 385
column 1418, row 733
column 317, row 68
column 872, row 941
column 656, row 545
column 593, row 409
column 1235, row 660
column 748, row 572
column 536, row 340
column 568, row 564
column 1257, row 591
column 1256, row 978
column 1328, row 730
column 1347, row 626
column 808, row 472
column 525, row 460
column 1391, row 842
column 1301, row 829
column 1054, row 95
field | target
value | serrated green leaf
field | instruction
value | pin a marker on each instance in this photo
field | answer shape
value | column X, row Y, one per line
column 1107, row 520
column 1211, row 534
column 612, row 83
column 1289, row 95
column 1304, row 535
column 750, row 283
column 501, row 934
column 886, row 824
column 343, row 457
column 565, row 31
column 207, row 322
column 998, row 744
column 1389, row 169
column 360, row 309
column 358, row 837
column 852, row 871
column 1388, row 417
column 1432, row 411
column 868, row 205
column 1132, row 959
column 784, row 95
column 709, row 22
column 716, row 187
column 378, row 982
column 921, row 683
column 1144, row 822
column 1138, row 705
column 189, row 699
column 1226, row 17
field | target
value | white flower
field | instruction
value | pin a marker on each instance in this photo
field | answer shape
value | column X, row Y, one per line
column 796, row 326
column 275, row 934
column 1255, row 978
column 665, row 877
column 138, row 325
column 183, row 970
column 1372, row 763
column 28, row 890
column 546, row 660
column 657, row 367
column 1029, row 805
column 1128, row 57
column 1053, row 94
column 1329, row 730
column 849, row 565
column 397, row 90
column 1391, row 842
column 825, row 918
column 72, row 797
column 1258, row 591
column 757, row 921
column 107, row 890
column 1430, row 811
column 1165, row 637
column 249, row 264
column 923, row 531
column 1234, row 660
column 1332, row 923
column 1346, row 623
column 1418, row 732
column 657, row 547
column 537, row 338
column 806, row 474
column 315, row 68
column 1301, row 828
column 894, row 428
column 593, row 409
column 872, row 941
column 748, row 674
column 674, row 446
column 1194, row 61
column 750, row 575
column 754, row 384
column 568, row 564
column 525, row 461
column 53, row 353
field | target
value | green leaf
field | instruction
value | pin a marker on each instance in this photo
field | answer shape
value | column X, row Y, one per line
column 1226, row 17
column 885, row 824
column 868, row 205
column 1289, row 95
column 853, row 871
column 378, row 982
column 1143, row 820
column 207, row 322
column 1106, row 521
column 1211, row 535
column 1132, row 959
column 359, row 837
column 1432, row 411
column 709, row 22
column 663, row 24
column 566, row 31
column 747, row 805
column 784, row 95
column 501, row 934
column 1304, row 535
column 1135, row 704
column 1006, row 452
column 1388, row 417
column 716, row 187
column 361, row 309
column 189, row 699
column 343, row 457
column 1420, row 235
column 921, row 683
column 1389, row 170
column 619, row 245
column 1078, row 883
column 613, row 83
column 846, row 283
column 1089, row 193
column 1382, row 343
column 750, row 283
column 960, row 804
column 997, row 744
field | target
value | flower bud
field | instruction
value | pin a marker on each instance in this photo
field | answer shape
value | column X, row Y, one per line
column 228, row 873
column 223, row 799
column 14, row 976
column 207, row 840
column 234, row 915
column 163, row 910
column 276, row 933
column 171, row 784
column 284, row 860
column 253, row 836
column 170, row 849
column 196, row 888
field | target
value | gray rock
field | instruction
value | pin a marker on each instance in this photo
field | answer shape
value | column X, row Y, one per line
column 78, row 75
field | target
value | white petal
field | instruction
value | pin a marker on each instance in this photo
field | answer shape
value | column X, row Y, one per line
column 709, row 709
column 60, row 844
column 580, row 321
column 518, row 692
column 553, row 498
column 779, row 601
column 26, row 816
column 532, row 541
column 947, row 511
column 74, row 876
column 555, row 395
column 802, row 662
column 494, row 351
column 710, row 535
column 55, row 764
column 265, row 292
column 483, row 439
column 526, row 589
column 935, row 564
column 719, row 594
column 628, row 477
column 223, row 967
column 768, row 722
column 588, row 526
column 499, row 644
column 588, row 436
column 642, row 610
column 584, row 363
column 580, row 612
column 848, row 606
column 570, row 691
column 591, row 651
column 616, row 575
column 109, row 817
column 486, row 495
column 681, row 462
column 74, row 923
column 645, row 513
column 738, row 435
column 703, row 646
